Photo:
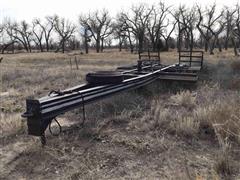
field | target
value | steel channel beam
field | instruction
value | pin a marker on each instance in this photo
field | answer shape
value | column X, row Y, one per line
column 69, row 105
column 93, row 91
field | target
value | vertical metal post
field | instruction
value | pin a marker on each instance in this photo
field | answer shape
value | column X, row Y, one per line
column 76, row 62
column 139, row 66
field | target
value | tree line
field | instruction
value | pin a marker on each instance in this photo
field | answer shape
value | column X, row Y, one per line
column 155, row 27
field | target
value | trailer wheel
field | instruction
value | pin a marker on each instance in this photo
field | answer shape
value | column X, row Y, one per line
column 104, row 77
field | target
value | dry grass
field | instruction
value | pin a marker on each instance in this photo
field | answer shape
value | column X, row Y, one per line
column 185, row 126
column 223, row 164
column 209, row 112
column 184, row 98
column 11, row 124
column 190, row 113
column 143, row 133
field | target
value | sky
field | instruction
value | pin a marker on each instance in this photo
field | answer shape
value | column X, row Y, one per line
column 71, row 9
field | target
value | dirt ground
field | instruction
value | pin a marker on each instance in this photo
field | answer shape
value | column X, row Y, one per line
column 118, row 140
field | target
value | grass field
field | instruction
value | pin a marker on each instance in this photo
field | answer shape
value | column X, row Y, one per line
column 162, row 131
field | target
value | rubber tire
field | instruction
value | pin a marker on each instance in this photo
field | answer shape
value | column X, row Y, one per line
column 104, row 77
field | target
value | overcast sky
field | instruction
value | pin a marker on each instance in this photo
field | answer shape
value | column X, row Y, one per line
column 29, row 9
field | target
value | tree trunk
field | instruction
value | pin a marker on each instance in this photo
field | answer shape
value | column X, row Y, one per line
column 26, row 47
column 131, row 46
column 41, row 47
column 86, row 40
column 153, row 43
column 97, row 45
column 212, row 47
column 13, row 47
column 29, row 45
column 86, row 45
column 154, row 46
column 234, row 46
column 226, row 43
column 166, row 45
column 63, row 45
column 187, row 42
column 206, row 45
column 219, row 45
column 191, row 40
column 102, row 44
column 201, row 42
column 120, row 44
column 179, row 38
column 130, row 42
column 47, row 45
column 140, row 44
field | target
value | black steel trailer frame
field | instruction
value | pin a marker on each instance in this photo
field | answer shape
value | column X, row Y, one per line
column 41, row 112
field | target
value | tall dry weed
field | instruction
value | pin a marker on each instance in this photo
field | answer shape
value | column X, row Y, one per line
column 184, row 98
column 223, row 164
column 10, row 124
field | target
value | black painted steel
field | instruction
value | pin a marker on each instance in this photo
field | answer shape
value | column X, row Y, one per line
column 191, row 57
column 40, row 112
column 104, row 77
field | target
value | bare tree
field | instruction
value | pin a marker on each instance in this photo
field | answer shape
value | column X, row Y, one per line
column 38, row 33
column 210, row 25
column 65, row 30
column 8, row 34
column 119, row 32
column 99, row 24
column 131, row 38
column 229, row 17
column 236, row 30
column 129, row 34
column 1, row 28
column 237, row 24
column 166, row 34
column 1, row 35
column 47, row 28
column 186, row 20
column 157, row 25
column 23, row 34
column 86, row 34
column 137, row 23
column 87, row 39
column 160, row 26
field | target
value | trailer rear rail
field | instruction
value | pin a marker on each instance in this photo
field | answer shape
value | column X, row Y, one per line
column 191, row 58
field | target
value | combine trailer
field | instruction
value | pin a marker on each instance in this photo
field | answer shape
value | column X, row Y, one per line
column 41, row 112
